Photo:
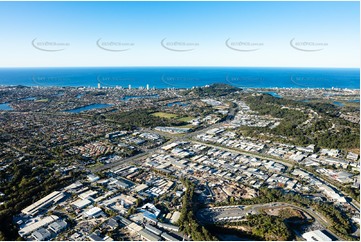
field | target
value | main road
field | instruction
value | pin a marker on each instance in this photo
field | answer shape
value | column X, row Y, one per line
column 172, row 138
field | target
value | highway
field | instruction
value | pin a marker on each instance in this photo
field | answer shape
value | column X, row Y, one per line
column 172, row 138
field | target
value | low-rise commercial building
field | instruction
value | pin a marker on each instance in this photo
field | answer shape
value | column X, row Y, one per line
column 41, row 234
column 94, row 212
column 31, row 227
column 316, row 235
column 34, row 208
column 148, row 236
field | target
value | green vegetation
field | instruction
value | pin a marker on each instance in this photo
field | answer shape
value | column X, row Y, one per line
column 340, row 224
column 22, row 188
column 187, row 221
column 267, row 105
column 266, row 227
column 140, row 118
column 345, row 138
column 326, row 131
column 188, row 126
column 186, row 119
column 214, row 90
column 131, row 211
column 165, row 115
column 354, row 192
column 176, row 117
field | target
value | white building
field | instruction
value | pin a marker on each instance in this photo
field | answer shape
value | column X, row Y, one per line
column 34, row 208
column 92, row 178
column 316, row 235
column 148, row 236
column 175, row 217
column 41, row 234
column 58, row 226
column 93, row 212
column 81, row 203
column 37, row 224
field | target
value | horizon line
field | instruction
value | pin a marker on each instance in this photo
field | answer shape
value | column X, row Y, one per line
column 308, row 67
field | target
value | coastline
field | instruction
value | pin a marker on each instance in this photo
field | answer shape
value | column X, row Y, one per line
column 182, row 77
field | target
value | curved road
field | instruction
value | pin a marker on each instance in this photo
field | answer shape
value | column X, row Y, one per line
column 256, row 207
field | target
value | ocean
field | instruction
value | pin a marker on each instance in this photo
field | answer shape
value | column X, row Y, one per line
column 183, row 77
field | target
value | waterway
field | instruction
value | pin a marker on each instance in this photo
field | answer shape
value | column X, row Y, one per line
column 177, row 103
column 339, row 104
column 126, row 98
column 274, row 94
column 5, row 107
column 89, row 107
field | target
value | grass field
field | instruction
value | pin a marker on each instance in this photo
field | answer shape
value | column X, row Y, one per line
column 97, row 164
column 171, row 115
column 186, row 119
column 351, row 104
column 42, row 100
column 189, row 126
column 165, row 115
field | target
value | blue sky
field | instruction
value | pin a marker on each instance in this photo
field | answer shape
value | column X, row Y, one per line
column 325, row 34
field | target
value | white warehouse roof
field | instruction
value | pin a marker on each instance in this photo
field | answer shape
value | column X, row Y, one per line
column 93, row 211
column 81, row 203
column 316, row 235
column 34, row 226
column 34, row 208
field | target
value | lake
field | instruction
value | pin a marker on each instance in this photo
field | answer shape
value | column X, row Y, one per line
column 338, row 104
column 27, row 99
column 177, row 103
column 273, row 94
column 89, row 107
column 126, row 98
column 5, row 106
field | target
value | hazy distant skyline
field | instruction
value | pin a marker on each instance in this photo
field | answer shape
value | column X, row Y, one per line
column 257, row 34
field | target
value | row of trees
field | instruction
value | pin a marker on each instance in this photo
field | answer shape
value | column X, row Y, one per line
column 187, row 221
column 353, row 192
